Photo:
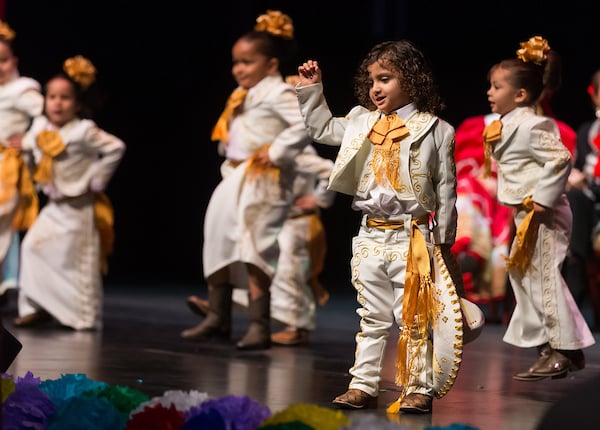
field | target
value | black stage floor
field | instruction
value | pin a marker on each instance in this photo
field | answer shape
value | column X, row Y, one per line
column 140, row 347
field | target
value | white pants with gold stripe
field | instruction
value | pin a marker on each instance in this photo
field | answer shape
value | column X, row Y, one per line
column 378, row 271
column 545, row 310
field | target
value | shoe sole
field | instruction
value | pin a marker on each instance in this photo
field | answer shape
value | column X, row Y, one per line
column 344, row 405
column 413, row 410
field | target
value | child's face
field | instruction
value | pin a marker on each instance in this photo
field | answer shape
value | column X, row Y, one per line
column 502, row 96
column 60, row 102
column 249, row 65
column 8, row 63
column 386, row 90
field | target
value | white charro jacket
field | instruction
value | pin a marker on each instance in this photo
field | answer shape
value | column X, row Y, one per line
column 432, row 168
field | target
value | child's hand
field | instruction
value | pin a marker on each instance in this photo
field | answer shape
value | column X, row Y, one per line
column 306, row 202
column 543, row 214
column 309, row 73
column 14, row 141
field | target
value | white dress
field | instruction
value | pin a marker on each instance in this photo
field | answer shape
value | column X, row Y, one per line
column 60, row 258
column 244, row 216
column 20, row 101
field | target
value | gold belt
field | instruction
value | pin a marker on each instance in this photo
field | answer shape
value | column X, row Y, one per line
column 387, row 224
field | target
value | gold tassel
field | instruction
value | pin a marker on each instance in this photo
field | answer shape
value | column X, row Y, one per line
column 386, row 135
column 220, row 131
column 418, row 308
column 526, row 238
column 491, row 135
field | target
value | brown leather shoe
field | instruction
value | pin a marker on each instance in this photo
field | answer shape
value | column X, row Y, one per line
column 544, row 352
column 416, row 403
column 290, row 337
column 355, row 399
column 34, row 319
column 556, row 366
column 576, row 356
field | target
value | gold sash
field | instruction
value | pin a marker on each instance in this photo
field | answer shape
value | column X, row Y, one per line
column 491, row 135
column 15, row 176
column 104, row 219
column 526, row 238
column 221, row 129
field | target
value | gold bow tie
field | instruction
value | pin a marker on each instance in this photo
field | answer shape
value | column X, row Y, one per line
column 220, row 130
column 386, row 135
column 389, row 128
column 491, row 135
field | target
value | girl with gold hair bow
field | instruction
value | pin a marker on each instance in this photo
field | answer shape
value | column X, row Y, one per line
column 260, row 133
column 64, row 252
column 533, row 168
column 20, row 101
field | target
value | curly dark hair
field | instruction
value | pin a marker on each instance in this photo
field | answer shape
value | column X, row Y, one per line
column 403, row 57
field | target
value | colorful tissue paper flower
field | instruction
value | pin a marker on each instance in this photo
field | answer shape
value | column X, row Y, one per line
column 182, row 400
column 69, row 385
column 238, row 412
column 208, row 419
column 315, row 416
column 27, row 407
column 90, row 413
column 7, row 386
column 292, row 425
column 125, row 399
column 156, row 417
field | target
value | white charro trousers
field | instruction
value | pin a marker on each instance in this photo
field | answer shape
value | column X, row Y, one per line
column 545, row 310
column 378, row 272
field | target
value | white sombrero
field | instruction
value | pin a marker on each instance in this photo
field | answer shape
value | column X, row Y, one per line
column 458, row 321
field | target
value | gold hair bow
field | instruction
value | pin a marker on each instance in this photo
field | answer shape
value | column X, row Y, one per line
column 81, row 70
column 6, row 32
column 275, row 23
column 535, row 50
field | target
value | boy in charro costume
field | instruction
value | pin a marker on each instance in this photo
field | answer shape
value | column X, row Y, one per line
column 397, row 160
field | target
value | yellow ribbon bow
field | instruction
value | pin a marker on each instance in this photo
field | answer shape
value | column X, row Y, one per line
column 221, row 129
column 15, row 176
column 51, row 144
column 386, row 136
column 491, row 135
column 526, row 237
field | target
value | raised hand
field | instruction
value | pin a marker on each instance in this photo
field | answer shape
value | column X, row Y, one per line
column 309, row 72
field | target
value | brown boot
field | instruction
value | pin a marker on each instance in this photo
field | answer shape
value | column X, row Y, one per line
column 217, row 323
column 416, row 403
column 544, row 351
column 355, row 399
column 258, row 335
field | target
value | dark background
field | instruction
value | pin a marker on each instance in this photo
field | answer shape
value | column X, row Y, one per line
column 164, row 68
